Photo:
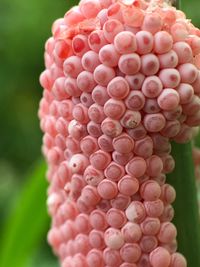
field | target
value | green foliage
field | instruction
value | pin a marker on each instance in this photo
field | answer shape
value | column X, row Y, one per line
column 186, row 204
column 27, row 223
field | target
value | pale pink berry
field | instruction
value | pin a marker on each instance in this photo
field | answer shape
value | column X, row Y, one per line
column 85, row 81
column 96, row 40
column 131, row 119
column 160, row 257
column 73, row 16
column 118, row 88
column 131, row 232
column 120, row 202
column 90, row 8
column 170, row 78
column 148, row 243
column 111, row 28
column 128, row 185
column 94, row 129
column 96, row 239
column 114, row 108
column 162, row 42
column 107, row 189
column 168, row 60
column 183, row 51
column 135, row 212
column 135, row 81
column 80, row 113
column 144, row 147
column 179, row 32
column 111, row 257
column 177, row 260
column 80, row 44
column 100, row 159
column 105, row 143
column 185, row 92
column 154, row 208
column 122, row 159
column 150, row 190
column 136, row 167
column 72, row 66
column 188, row 72
column 129, row 64
column 135, row 100
column 150, row 226
column 123, row 143
column 130, row 252
column 125, row 42
column 144, row 42
column 109, row 56
column 152, row 87
column 94, row 257
column 100, row 95
column 71, row 87
column 111, row 127
column 90, row 61
column 168, row 99
column 115, row 218
column 114, row 171
column 137, row 132
column 154, row 122
column 113, row 238
column 151, row 106
column 93, row 176
column 95, row 113
column 114, row 12
column 133, row 16
column 149, row 64
column 103, row 74
column 97, row 219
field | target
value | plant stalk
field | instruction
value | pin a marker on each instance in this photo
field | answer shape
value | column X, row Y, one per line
column 186, row 204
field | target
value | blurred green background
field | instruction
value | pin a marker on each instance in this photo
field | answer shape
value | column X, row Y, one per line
column 24, row 27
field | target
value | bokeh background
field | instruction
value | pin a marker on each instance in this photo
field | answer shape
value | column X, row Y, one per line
column 24, row 27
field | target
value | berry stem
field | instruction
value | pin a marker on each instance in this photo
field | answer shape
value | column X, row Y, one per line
column 186, row 205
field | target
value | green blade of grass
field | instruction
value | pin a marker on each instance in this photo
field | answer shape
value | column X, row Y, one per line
column 186, row 206
column 27, row 222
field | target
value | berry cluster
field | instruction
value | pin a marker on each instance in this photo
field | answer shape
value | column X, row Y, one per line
column 122, row 80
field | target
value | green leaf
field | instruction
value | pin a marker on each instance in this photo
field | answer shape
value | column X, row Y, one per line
column 26, row 226
column 186, row 205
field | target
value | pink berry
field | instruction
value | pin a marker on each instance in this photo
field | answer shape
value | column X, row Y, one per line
column 128, row 185
column 111, row 28
column 129, row 64
column 90, row 61
column 160, row 257
column 107, row 189
column 114, row 108
column 125, row 42
column 152, row 86
column 168, row 99
column 168, row 60
column 118, row 88
column 149, row 64
column 136, row 167
column 144, row 42
column 123, row 144
column 131, row 232
column 103, row 74
column 162, row 42
column 109, row 56
column 135, row 100
column 135, row 212
column 113, row 238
